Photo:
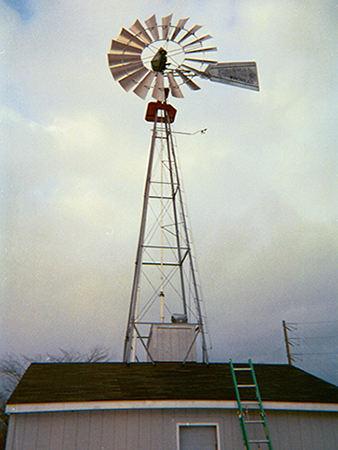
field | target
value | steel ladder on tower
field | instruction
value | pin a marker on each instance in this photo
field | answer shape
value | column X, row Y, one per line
column 249, row 386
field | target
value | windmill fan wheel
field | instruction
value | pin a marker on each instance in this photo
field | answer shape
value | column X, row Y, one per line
column 156, row 56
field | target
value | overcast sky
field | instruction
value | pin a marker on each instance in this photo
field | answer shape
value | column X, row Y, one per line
column 261, row 184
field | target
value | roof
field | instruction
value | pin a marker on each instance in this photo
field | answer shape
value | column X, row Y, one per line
column 89, row 382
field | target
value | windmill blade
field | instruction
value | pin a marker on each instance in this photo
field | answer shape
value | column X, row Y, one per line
column 178, row 28
column 125, row 69
column 240, row 74
column 174, row 87
column 130, row 39
column 152, row 26
column 121, row 47
column 140, row 32
column 198, row 41
column 144, row 85
column 199, row 50
column 191, row 84
column 158, row 91
column 190, row 33
column 202, row 61
column 130, row 80
column 165, row 25
column 121, row 58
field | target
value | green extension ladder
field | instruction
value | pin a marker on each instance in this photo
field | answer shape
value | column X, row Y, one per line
column 249, row 388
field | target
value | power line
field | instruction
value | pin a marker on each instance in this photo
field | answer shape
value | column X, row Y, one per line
column 313, row 323
column 316, row 354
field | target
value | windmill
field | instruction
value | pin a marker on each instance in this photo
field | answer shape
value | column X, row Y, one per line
column 166, row 318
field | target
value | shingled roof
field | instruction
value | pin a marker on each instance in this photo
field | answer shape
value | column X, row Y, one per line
column 87, row 382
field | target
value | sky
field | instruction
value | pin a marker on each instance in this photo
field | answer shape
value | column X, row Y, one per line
column 261, row 184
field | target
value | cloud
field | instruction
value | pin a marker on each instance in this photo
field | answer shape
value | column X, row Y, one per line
column 260, row 184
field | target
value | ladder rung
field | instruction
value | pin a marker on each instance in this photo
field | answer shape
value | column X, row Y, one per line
column 242, row 368
column 253, row 421
column 250, row 402
column 263, row 441
column 246, row 385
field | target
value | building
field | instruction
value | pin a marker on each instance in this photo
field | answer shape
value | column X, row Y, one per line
column 118, row 406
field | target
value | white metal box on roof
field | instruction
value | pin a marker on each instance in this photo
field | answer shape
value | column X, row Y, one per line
column 173, row 342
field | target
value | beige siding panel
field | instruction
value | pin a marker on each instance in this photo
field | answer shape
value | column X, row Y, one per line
column 170, row 418
column 330, row 433
column 310, row 431
column 82, row 439
column 318, row 428
column 294, row 431
column 108, row 429
column 19, row 432
column 133, row 428
column 235, row 430
column 11, row 432
column 44, row 426
column 31, row 432
column 120, row 430
column 230, row 430
column 145, row 430
column 284, row 430
column 95, row 430
column 71, row 427
column 302, row 430
column 279, row 429
column 156, row 429
column 57, row 429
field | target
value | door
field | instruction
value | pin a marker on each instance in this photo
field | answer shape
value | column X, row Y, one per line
column 198, row 437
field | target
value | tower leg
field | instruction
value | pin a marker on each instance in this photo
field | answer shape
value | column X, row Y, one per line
column 129, row 341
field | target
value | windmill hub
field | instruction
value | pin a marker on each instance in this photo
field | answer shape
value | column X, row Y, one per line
column 173, row 52
column 159, row 62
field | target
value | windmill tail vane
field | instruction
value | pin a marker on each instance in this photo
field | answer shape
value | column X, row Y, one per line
column 151, row 57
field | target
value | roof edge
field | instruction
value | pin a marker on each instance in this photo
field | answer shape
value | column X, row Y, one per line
column 23, row 408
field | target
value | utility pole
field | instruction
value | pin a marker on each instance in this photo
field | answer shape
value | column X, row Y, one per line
column 287, row 342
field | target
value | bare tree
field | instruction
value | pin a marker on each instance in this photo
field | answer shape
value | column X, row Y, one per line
column 13, row 367
column 95, row 354
column 11, row 371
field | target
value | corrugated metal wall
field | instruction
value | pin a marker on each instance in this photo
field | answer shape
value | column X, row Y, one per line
column 156, row 430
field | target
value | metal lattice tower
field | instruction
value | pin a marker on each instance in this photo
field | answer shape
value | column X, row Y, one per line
column 165, row 287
